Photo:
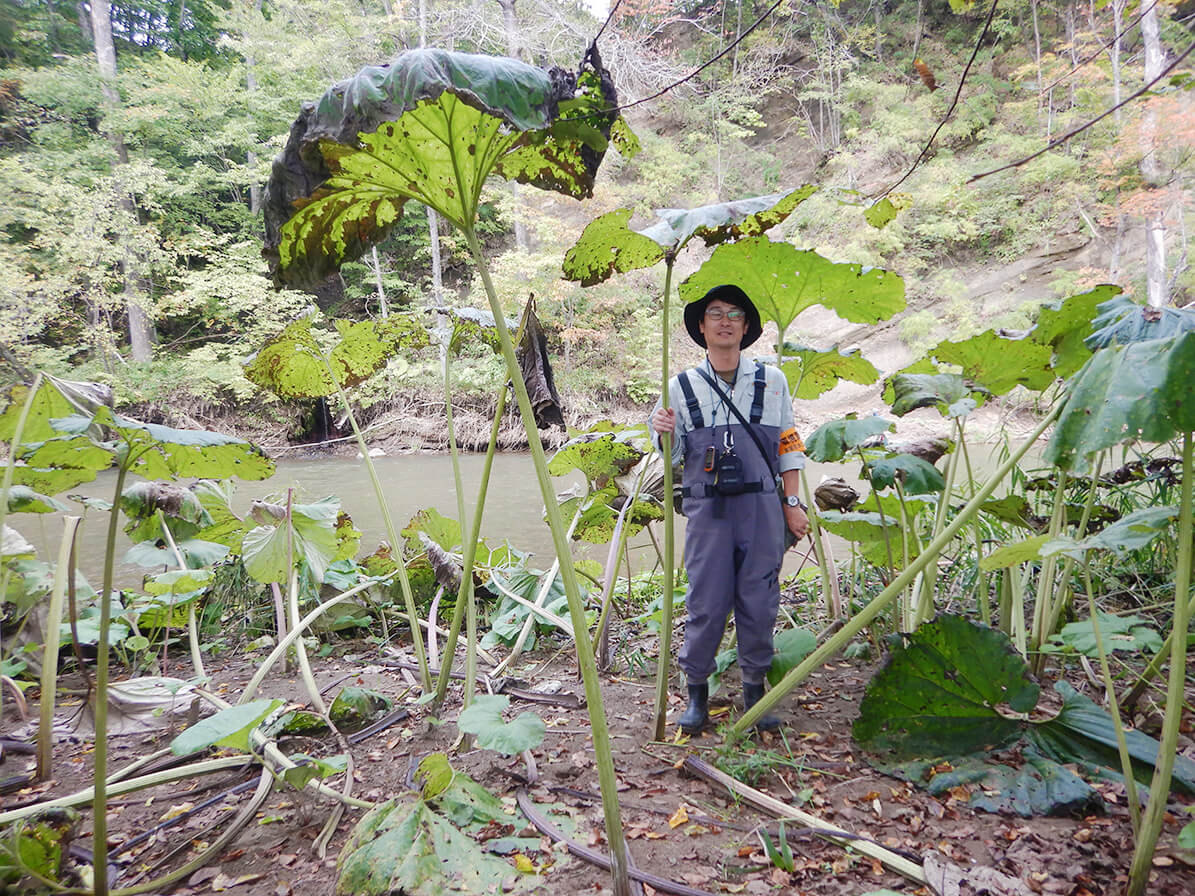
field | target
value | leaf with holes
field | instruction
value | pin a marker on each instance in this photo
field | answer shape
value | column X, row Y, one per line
column 783, row 281
column 811, row 372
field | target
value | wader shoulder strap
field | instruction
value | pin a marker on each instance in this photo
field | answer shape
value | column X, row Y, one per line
column 761, row 380
column 691, row 400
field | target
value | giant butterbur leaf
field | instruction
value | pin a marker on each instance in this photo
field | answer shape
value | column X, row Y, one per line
column 294, row 364
column 229, row 727
column 609, row 246
column 1067, row 325
column 783, row 281
column 1084, row 733
column 1121, row 321
column 811, row 372
column 483, row 719
column 921, row 390
column 917, row 476
column 1138, row 391
column 54, row 398
column 431, row 126
column 424, row 844
column 163, row 452
column 600, row 456
column 723, row 221
column 22, row 499
column 998, row 363
column 831, row 441
column 1131, row 532
column 948, row 689
column 310, row 535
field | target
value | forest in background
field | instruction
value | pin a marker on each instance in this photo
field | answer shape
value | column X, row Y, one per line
column 130, row 232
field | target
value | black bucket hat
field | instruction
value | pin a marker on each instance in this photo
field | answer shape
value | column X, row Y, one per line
column 732, row 295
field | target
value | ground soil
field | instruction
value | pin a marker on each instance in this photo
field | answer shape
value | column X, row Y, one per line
column 812, row 763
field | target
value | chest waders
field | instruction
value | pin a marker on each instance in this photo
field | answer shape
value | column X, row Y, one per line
column 734, row 544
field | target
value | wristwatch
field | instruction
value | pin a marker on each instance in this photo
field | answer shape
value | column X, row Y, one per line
column 793, row 501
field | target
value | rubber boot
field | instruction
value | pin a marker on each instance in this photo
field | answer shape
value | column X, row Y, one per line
column 752, row 694
column 697, row 713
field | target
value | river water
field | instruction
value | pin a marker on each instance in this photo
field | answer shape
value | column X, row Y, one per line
column 513, row 511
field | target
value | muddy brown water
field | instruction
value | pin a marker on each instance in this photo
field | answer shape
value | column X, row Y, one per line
column 513, row 511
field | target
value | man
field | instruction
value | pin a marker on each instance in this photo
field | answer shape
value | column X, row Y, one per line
column 734, row 538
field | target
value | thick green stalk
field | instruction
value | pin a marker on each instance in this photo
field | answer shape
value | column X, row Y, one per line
column 1047, row 581
column 880, row 602
column 99, row 804
column 283, row 645
column 825, row 562
column 664, row 662
column 9, row 470
column 470, row 550
column 182, row 773
column 929, row 582
column 396, row 545
column 1122, row 744
column 49, row 666
column 599, row 728
column 1159, row 789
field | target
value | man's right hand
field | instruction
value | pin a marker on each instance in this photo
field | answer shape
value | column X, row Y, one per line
column 664, row 421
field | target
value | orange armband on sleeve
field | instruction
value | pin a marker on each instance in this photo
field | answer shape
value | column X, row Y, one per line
column 790, row 441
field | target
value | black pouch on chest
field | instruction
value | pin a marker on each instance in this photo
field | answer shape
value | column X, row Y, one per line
column 729, row 477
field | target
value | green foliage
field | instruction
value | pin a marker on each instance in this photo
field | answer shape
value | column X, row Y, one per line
column 783, row 281
column 423, row 843
column 1137, row 391
column 483, row 719
column 230, row 728
column 811, row 372
column 355, row 707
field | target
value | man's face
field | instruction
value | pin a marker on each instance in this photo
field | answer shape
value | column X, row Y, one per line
column 718, row 327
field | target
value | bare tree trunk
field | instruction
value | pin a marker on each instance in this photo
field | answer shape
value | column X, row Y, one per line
column 1118, row 7
column 140, row 327
column 251, row 156
column 81, row 11
column 513, row 48
column 383, row 308
column 433, row 222
column 1156, row 293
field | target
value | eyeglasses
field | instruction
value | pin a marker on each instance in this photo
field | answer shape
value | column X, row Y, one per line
column 734, row 314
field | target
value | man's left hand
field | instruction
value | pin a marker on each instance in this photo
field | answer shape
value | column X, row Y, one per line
column 798, row 522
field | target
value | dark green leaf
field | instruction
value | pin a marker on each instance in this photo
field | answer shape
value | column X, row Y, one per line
column 599, row 456
column 227, row 728
column 831, row 441
column 1139, row 391
column 921, row 390
column 792, row 645
column 1122, row 321
column 917, row 476
column 355, row 707
column 941, row 691
column 1082, row 732
column 22, row 499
